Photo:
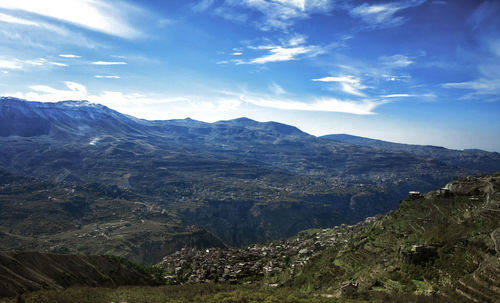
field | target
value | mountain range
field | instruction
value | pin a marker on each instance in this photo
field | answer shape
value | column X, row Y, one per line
column 231, row 182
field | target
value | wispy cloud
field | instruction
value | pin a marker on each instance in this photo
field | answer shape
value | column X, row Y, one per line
column 384, row 15
column 277, row 89
column 319, row 104
column 15, row 20
column 69, row 56
column 397, row 96
column 293, row 49
column 272, row 14
column 277, row 54
column 21, row 64
column 395, row 61
column 364, row 107
column 41, row 62
column 202, row 5
column 107, row 77
column 481, row 88
column 349, row 84
column 109, row 63
column 96, row 15
column 57, row 63
column 10, row 64
column 484, row 84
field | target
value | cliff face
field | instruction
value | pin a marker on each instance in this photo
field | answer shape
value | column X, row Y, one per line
column 30, row 271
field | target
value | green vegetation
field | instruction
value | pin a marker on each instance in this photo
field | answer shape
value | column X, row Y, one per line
column 442, row 245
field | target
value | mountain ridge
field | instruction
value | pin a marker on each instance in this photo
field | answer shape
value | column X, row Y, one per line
column 468, row 158
column 241, row 180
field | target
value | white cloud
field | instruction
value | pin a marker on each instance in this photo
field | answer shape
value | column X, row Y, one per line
column 46, row 93
column 364, row 107
column 69, row 56
column 384, row 14
column 15, row 20
column 349, row 84
column 290, row 50
column 95, row 15
column 109, row 63
column 9, row 64
column 107, row 77
column 397, row 96
column 41, row 62
column 320, row 104
column 278, row 53
column 57, row 63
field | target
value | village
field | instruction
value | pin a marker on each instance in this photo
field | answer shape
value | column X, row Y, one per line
column 253, row 263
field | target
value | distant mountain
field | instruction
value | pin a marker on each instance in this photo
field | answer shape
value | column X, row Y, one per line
column 244, row 181
column 467, row 158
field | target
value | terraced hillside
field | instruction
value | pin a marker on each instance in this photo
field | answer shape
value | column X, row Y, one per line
column 444, row 244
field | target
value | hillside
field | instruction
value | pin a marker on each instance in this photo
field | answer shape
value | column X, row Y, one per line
column 30, row 271
column 444, row 245
column 241, row 180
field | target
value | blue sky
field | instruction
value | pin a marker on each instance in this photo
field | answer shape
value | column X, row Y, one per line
column 411, row 71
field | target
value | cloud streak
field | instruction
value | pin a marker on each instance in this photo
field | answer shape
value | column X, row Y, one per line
column 481, row 88
column 95, row 15
column 109, row 63
column 69, row 56
column 106, row 77
column 364, row 107
column 271, row 14
column 10, row 64
column 383, row 15
column 294, row 49
column 349, row 84
column 11, row 19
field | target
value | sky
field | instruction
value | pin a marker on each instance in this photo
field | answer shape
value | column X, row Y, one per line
column 410, row 71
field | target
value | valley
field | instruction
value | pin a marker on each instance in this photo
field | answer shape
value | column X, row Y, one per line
column 236, row 202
